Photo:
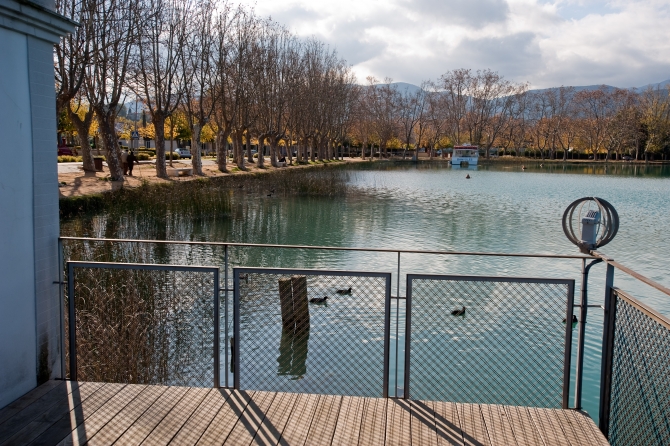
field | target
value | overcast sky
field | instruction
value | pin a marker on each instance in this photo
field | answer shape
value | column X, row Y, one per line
column 546, row 43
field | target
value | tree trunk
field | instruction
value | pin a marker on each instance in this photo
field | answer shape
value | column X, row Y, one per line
column 260, row 163
column 221, row 152
column 111, row 144
column 196, row 159
column 82, row 126
column 238, row 148
column 250, row 156
column 273, row 152
column 159, row 126
column 313, row 148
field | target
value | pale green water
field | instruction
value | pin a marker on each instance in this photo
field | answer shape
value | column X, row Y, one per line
column 500, row 209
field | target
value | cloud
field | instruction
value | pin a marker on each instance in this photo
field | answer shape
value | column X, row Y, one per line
column 545, row 42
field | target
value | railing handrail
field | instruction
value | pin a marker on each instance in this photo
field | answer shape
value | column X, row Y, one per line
column 646, row 309
column 329, row 248
column 630, row 272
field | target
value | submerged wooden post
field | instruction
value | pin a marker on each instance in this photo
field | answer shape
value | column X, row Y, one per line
column 300, row 303
column 286, row 303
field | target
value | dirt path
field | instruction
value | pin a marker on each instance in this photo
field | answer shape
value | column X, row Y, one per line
column 81, row 183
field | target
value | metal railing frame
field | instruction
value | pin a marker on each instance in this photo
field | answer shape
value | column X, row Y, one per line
column 309, row 272
column 568, row 315
column 71, row 265
column 583, row 305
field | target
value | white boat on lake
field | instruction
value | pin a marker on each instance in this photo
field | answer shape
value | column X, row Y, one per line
column 465, row 155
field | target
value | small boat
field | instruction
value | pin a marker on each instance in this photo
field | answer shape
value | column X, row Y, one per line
column 465, row 156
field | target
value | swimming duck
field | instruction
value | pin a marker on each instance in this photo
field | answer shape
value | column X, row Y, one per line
column 318, row 300
column 574, row 319
column 458, row 312
column 523, row 167
column 467, row 177
column 347, row 291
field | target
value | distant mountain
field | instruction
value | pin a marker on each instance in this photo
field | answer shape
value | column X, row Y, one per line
column 663, row 84
column 411, row 88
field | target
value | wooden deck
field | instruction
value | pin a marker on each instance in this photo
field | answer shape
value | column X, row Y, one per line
column 68, row 413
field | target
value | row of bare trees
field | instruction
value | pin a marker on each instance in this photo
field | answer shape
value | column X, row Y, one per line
column 220, row 65
column 484, row 109
column 248, row 79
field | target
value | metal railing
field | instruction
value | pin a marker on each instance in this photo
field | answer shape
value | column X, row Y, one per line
column 618, row 411
column 495, row 340
column 143, row 323
column 312, row 331
column 635, row 397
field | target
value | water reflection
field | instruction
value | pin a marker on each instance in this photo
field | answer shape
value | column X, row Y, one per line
column 293, row 348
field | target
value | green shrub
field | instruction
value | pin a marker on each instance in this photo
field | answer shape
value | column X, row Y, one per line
column 175, row 155
column 143, row 156
column 69, row 159
column 100, row 157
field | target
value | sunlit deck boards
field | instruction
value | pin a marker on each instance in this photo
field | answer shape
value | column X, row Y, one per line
column 77, row 413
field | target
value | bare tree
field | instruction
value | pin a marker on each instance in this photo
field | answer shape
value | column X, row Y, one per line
column 158, row 67
column 114, row 36
column 73, row 55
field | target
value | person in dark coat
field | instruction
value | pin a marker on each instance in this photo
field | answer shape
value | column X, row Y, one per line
column 131, row 162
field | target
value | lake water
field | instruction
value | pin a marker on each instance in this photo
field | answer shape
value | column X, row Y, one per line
column 434, row 207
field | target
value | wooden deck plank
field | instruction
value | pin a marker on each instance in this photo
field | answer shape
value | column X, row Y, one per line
column 447, row 423
column 131, row 414
column 299, row 421
column 20, row 419
column 69, row 422
column 589, row 427
column 143, row 425
column 324, row 422
column 498, row 425
column 276, row 417
column 91, row 425
column 198, row 422
column 577, row 430
column 175, row 419
column 398, row 422
column 250, row 421
column 26, row 400
column 525, row 431
column 472, row 425
column 226, row 418
column 549, row 427
column 422, row 423
column 373, row 422
column 349, row 421
column 53, row 414
column 124, row 419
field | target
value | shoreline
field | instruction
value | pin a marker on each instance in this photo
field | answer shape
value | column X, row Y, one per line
column 81, row 184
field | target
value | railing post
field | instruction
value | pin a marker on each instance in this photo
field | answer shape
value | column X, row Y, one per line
column 61, row 293
column 225, row 309
column 607, row 352
column 217, row 332
column 408, row 333
column 72, row 322
column 397, row 327
column 581, row 334
column 568, row 345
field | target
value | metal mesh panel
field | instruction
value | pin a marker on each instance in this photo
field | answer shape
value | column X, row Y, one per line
column 640, row 398
column 507, row 348
column 144, row 326
column 287, row 344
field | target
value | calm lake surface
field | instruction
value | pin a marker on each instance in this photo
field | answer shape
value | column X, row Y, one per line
column 434, row 207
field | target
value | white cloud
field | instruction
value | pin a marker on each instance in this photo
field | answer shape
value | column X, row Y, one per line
column 548, row 43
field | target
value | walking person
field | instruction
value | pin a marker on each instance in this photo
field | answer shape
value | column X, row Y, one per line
column 131, row 160
column 124, row 161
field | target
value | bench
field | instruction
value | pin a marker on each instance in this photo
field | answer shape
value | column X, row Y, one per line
column 179, row 172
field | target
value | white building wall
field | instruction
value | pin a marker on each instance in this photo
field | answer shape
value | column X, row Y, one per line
column 18, row 358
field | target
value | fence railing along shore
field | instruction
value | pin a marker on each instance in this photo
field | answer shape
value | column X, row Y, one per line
column 461, row 338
